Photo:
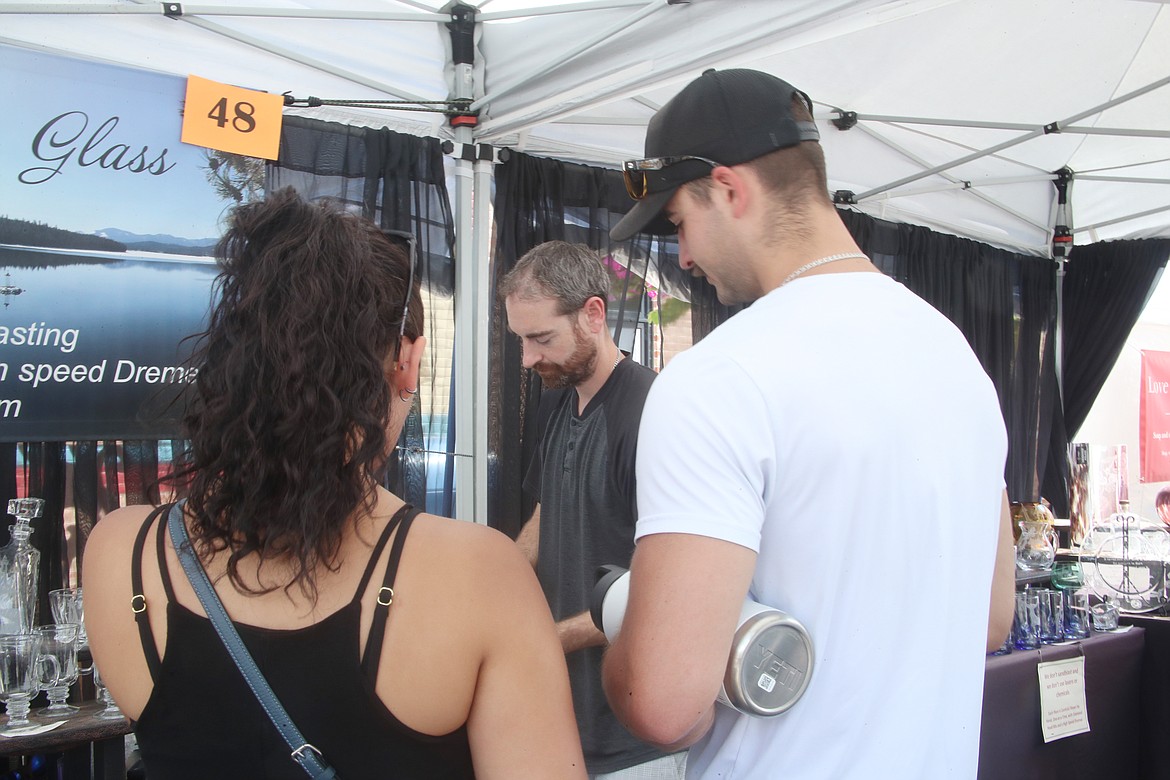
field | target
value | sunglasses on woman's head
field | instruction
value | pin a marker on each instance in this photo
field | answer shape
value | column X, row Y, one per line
column 407, row 238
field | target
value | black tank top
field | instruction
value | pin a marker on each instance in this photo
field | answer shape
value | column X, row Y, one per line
column 202, row 721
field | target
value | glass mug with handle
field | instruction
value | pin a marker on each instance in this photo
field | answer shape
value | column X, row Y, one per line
column 21, row 661
column 58, row 642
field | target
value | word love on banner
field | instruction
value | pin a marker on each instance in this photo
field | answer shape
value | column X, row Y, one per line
column 232, row 119
column 1154, row 416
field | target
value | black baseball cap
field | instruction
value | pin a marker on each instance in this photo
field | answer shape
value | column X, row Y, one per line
column 726, row 117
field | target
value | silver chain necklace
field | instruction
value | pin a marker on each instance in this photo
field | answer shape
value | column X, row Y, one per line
column 822, row 261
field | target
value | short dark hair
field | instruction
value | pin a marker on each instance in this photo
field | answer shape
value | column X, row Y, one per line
column 287, row 418
column 798, row 170
column 571, row 274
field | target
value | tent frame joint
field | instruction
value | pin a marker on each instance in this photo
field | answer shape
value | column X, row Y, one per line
column 845, row 120
column 847, row 197
column 172, row 10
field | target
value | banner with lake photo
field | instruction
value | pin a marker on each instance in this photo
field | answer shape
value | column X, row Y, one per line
column 107, row 227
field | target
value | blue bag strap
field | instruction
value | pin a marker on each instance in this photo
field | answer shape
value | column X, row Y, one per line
column 307, row 756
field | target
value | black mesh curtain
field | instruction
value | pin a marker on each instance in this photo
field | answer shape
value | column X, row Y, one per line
column 1106, row 286
column 406, row 189
column 531, row 194
column 399, row 181
column 79, row 482
column 707, row 313
column 541, row 200
column 320, row 160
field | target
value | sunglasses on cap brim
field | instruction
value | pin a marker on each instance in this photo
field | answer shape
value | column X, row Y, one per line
column 652, row 174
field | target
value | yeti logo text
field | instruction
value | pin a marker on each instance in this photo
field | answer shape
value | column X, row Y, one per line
column 776, row 671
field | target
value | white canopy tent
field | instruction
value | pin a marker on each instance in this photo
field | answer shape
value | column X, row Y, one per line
column 960, row 115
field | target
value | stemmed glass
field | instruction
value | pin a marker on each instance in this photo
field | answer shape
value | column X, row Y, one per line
column 20, row 659
column 60, row 643
column 110, row 711
column 68, row 607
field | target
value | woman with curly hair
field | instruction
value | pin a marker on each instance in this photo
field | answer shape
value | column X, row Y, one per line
column 403, row 645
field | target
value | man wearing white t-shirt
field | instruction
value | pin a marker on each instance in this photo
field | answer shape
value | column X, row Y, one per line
column 834, row 451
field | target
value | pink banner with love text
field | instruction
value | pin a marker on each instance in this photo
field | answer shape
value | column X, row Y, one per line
column 1155, row 416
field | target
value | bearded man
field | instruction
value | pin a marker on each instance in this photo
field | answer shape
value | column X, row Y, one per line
column 582, row 475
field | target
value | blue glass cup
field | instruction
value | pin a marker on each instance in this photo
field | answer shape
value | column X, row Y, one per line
column 1076, row 614
column 1026, row 631
column 1051, row 616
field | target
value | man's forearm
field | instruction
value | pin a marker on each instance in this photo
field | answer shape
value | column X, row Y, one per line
column 529, row 538
column 619, row 690
column 578, row 632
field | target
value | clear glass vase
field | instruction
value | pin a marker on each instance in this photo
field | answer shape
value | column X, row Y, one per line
column 1036, row 547
column 19, row 565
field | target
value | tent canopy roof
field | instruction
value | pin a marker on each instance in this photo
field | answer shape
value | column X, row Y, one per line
column 966, row 109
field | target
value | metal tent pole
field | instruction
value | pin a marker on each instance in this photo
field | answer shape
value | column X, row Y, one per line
column 651, row 7
column 470, row 409
column 1054, row 127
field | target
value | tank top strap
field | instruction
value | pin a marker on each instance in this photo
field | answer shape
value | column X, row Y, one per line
column 160, row 548
column 138, row 599
column 373, row 652
column 378, row 547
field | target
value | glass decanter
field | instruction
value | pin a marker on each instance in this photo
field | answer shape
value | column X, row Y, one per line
column 1036, row 548
column 19, row 566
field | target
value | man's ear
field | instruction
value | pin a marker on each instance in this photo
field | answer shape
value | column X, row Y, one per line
column 731, row 188
column 594, row 311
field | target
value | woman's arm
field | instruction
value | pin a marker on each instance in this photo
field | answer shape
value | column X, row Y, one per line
column 109, row 619
column 521, row 723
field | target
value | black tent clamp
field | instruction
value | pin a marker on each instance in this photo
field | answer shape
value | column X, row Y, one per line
column 1062, row 237
column 475, row 152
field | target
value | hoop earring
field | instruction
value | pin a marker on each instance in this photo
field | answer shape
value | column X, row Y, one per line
column 406, row 398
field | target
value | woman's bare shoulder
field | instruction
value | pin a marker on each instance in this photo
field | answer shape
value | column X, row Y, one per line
column 470, row 543
column 475, row 558
column 121, row 522
column 112, row 537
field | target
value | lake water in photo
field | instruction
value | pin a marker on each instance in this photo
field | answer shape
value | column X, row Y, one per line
column 90, row 342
